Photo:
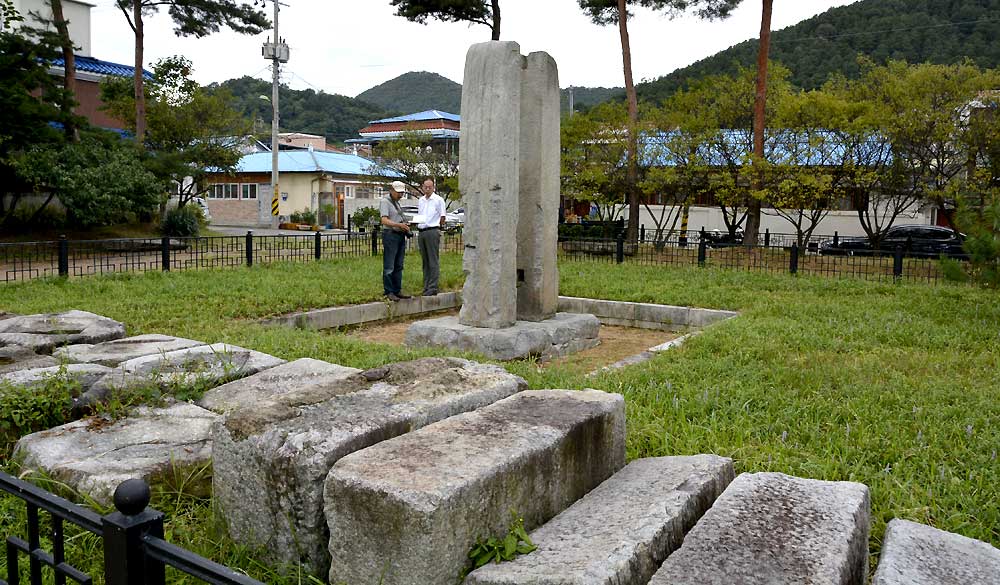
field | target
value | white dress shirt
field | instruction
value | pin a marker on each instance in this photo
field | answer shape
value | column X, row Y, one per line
column 432, row 209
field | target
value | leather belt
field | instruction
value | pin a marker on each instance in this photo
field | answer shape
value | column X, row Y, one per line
column 428, row 229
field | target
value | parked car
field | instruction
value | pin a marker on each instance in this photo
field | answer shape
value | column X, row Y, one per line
column 720, row 239
column 454, row 220
column 929, row 241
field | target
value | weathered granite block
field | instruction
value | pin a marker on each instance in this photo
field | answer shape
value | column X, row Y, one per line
column 112, row 353
column 43, row 333
column 916, row 554
column 538, row 198
column 407, row 511
column 488, row 180
column 85, row 374
column 164, row 446
column 703, row 317
column 665, row 314
column 301, row 382
column 15, row 357
column 271, row 460
column 563, row 334
column 202, row 364
column 622, row 530
column 774, row 529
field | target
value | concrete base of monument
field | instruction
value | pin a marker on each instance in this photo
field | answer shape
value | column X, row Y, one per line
column 561, row 335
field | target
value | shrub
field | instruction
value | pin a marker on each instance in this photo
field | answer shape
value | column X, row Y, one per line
column 306, row 216
column 25, row 410
column 182, row 222
column 366, row 216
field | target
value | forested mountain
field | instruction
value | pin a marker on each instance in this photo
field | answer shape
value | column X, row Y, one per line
column 936, row 31
column 416, row 91
column 335, row 116
column 585, row 98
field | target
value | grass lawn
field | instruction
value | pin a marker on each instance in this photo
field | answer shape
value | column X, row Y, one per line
column 895, row 386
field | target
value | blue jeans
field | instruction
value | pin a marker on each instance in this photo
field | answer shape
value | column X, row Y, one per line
column 393, row 254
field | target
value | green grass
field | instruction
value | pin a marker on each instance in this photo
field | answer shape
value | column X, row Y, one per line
column 892, row 385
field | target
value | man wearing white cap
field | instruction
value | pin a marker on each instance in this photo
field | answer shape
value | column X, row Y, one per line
column 395, row 231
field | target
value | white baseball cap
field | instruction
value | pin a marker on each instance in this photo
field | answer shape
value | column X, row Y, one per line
column 398, row 187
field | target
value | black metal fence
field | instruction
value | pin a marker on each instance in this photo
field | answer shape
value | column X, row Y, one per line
column 135, row 552
column 775, row 252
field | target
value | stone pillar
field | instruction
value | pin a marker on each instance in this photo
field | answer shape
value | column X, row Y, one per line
column 538, row 209
column 488, row 179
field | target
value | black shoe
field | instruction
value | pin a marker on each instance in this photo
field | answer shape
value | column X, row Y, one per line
column 392, row 297
column 429, row 294
column 402, row 296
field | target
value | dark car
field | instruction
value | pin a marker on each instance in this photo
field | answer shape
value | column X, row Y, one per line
column 929, row 241
column 720, row 239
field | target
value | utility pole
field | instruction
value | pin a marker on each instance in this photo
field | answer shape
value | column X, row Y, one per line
column 277, row 52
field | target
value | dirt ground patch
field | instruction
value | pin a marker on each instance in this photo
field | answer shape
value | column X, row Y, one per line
column 617, row 343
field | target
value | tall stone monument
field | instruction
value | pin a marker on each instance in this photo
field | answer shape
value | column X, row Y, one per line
column 509, row 179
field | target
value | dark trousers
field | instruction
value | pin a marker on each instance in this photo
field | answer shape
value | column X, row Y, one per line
column 429, row 243
column 393, row 254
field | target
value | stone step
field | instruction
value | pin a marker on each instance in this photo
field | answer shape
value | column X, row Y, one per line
column 112, row 353
column 43, row 333
column 14, row 358
column 916, row 554
column 407, row 511
column 271, row 458
column 84, row 374
column 164, row 446
column 622, row 530
column 774, row 529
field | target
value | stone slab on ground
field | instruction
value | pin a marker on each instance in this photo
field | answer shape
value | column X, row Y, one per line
column 622, row 530
column 112, row 353
column 15, row 357
column 917, row 554
column 86, row 374
column 563, row 334
column 774, row 529
column 164, row 446
column 199, row 365
column 271, row 460
column 333, row 317
column 644, row 315
column 301, row 382
column 407, row 511
column 42, row 333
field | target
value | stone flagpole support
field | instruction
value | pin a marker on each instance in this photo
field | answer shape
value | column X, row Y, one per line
column 489, row 182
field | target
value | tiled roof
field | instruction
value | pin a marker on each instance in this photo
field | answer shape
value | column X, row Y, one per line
column 92, row 65
column 421, row 116
column 304, row 161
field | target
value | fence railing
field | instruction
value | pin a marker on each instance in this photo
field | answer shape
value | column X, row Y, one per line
column 134, row 550
column 775, row 252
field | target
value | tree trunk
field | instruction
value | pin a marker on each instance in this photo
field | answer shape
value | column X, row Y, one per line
column 496, row 20
column 69, row 71
column 760, row 101
column 38, row 212
column 140, row 92
column 631, row 177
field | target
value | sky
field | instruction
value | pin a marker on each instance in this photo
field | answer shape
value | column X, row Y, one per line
column 348, row 46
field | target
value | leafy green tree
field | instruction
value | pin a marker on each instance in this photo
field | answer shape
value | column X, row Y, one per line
column 8, row 14
column 69, row 68
column 100, row 180
column 191, row 131
column 474, row 11
column 594, row 158
column 605, row 12
column 414, row 157
column 197, row 18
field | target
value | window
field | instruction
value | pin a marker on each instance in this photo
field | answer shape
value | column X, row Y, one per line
column 249, row 191
column 232, row 191
column 216, row 191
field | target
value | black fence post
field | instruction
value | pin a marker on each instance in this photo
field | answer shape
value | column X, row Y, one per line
column 836, row 239
column 702, row 248
column 767, row 238
column 620, row 248
column 348, row 227
column 63, row 256
column 319, row 245
column 249, row 248
column 165, row 253
column 374, row 241
column 125, row 560
column 897, row 263
column 793, row 259
column 642, row 232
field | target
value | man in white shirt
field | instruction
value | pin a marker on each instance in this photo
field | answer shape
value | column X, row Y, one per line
column 431, row 208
